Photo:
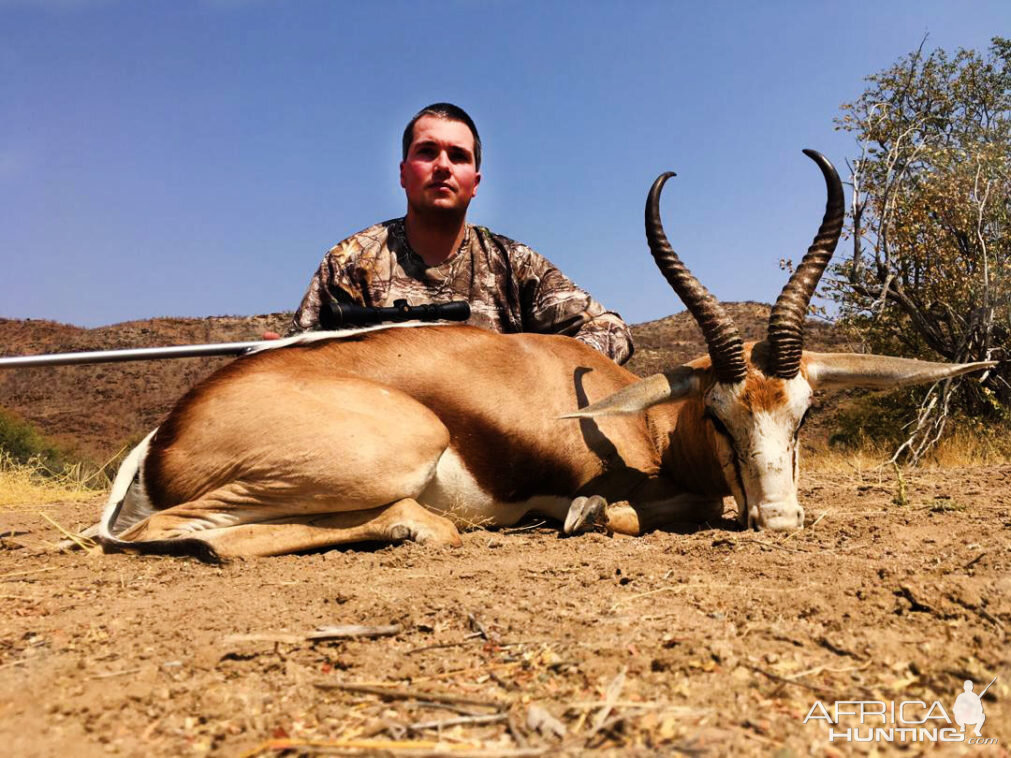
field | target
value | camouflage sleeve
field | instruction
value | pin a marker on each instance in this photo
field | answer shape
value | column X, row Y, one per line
column 331, row 281
column 553, row 304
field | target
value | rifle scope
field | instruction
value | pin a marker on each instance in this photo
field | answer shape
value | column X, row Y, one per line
column 334, row 315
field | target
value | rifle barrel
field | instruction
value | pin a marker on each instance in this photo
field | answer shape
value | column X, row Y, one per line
column 980, row 695
column 343, row 316
column 133, row 354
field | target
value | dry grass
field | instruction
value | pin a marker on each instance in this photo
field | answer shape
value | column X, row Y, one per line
column 966, row 447
column 963, row 448
column 31, row 483
column 835, row 460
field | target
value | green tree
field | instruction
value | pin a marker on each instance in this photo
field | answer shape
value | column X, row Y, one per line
column 929, row 273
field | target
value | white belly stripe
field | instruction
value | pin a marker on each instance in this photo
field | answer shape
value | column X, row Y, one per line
column 455, row 493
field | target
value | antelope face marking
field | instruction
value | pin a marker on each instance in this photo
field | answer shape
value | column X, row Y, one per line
column 756, row 423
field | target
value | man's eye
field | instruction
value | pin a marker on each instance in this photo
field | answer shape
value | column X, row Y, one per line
column 459, row 156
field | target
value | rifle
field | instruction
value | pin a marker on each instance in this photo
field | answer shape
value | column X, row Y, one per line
column 332, row 316
column 980, row 695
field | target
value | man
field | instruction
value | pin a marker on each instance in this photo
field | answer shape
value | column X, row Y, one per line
column 433, row 255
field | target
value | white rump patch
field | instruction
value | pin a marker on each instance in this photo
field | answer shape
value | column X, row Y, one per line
column 128, row 502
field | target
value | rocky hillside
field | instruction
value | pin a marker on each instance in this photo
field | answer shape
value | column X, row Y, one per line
column 99, row 409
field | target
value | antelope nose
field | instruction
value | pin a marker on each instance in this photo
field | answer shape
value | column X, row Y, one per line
column 780, row 517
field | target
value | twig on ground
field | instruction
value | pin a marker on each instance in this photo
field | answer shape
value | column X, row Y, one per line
column 470, row 640
column 415, row 748
column 993, row 620
column 584, row 705
column 815, row 523
column 504, row 684
column 581, row 720
column 20, row 576
column 783, row 680
column 750, row 734
column 784, row 547
column 515, row 731
column 526, row 528
column 350, row 631
column 974, row 561
column 476, row 669
column 604, row 728
column 984, row 614
column 672, row 588
column 491, row 718
column 523, row 529
column 145, row 736
column 610, row 698
column 85, row 543
column 838, row 649
column 476, row 625
column 540, row 720
column 819, row 669
column 708, row 586
column 400, row 694
column 111, row 674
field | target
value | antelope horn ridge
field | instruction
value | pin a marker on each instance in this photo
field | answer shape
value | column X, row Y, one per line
column 786, row 322
column 722, row 338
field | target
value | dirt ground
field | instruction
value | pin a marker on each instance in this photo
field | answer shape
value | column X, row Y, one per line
column 715, row 642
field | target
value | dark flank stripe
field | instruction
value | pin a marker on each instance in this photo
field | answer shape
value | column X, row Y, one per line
column 190, row 547
column 510, row 468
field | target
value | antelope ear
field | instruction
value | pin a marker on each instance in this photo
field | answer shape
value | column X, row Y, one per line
column 829, row 370
column 670, row 385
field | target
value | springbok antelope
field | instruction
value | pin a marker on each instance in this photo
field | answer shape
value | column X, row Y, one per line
column 405, row 433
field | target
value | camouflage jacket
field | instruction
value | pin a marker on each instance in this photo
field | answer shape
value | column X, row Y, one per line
column 510, row 288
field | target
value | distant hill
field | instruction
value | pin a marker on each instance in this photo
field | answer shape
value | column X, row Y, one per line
column 99, row 409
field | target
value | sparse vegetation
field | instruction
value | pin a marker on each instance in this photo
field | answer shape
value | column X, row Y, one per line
column 22, row 442
column 901, row 497
column 32, row 482
column 928, row 273
column 945, row 505
column 880, row 422
column 34, row 470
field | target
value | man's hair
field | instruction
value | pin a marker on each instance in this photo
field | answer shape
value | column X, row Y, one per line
column 449, row 112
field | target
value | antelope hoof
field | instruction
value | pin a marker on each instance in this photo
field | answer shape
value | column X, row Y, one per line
column 423, row 534
column 585, row 513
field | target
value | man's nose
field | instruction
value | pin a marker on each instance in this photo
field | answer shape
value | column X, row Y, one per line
column 442, row 160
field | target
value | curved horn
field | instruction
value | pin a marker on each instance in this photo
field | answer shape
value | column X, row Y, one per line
column 786, row 322
column 722, row 337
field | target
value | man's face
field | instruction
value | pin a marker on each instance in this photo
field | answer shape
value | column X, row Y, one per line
column 439, row 172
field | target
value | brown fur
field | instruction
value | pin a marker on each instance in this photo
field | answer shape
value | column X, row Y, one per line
column 689, row 449
column 291, row 438
column 515, row 450
column 763, row 392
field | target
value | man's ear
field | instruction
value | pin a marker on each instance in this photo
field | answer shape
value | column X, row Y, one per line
column 402, row 175
column 477, row 181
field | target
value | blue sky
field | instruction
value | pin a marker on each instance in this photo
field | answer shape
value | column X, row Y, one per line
column 198, row 157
